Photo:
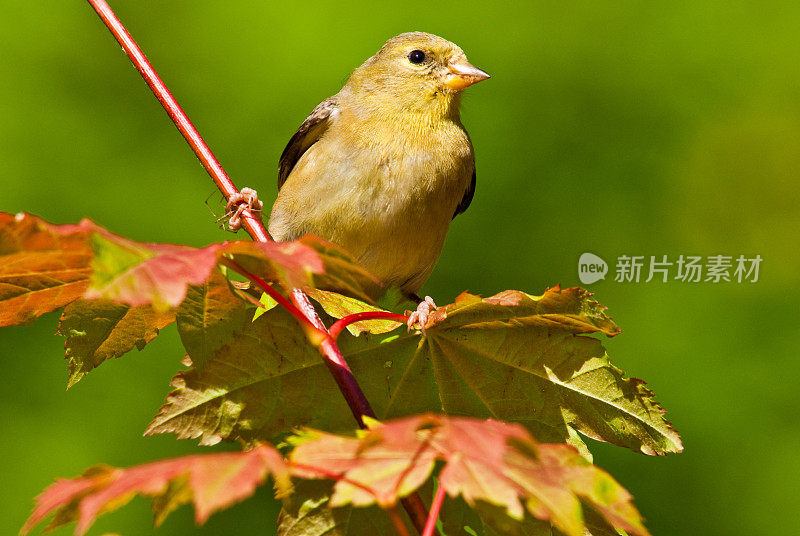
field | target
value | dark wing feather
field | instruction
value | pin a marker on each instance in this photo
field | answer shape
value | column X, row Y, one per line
column 468, row 195
column 307, row 135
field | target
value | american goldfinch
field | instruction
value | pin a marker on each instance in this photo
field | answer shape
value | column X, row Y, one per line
column 383, row 166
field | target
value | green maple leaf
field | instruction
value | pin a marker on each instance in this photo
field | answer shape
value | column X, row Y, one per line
column 97, row 330
column 208, row 318
column 511, row 357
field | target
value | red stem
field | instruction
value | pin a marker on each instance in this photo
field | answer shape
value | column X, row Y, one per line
column 436, row 507
column 399, row 526
column 252, row 225
column 330, row 352
column 339, row 325
column 338, row 367
column 333, row 475
column 277, row 296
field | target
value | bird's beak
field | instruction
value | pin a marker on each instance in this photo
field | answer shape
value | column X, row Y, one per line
column 463, row 74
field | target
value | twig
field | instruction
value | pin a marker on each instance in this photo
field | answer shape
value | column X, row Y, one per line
column 333, row 475
column 254, row 227
column 320, row 333
column 398, row 521
column 436, row 506
column 339, row 325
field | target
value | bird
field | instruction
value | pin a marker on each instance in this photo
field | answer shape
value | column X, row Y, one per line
column 383, row 166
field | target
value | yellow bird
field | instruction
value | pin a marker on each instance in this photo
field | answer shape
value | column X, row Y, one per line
column 383, row 166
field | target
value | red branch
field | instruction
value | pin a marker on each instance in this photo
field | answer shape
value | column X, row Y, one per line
column 436, row 506
column 339, row 325
column 332, row 356
column 332, row 475
column 252, row 224
column 320, row 333
column 399, row 526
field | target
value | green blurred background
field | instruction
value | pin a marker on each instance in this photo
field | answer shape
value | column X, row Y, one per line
column 627, row 128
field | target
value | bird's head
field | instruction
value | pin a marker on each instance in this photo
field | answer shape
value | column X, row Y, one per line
column 417, row 70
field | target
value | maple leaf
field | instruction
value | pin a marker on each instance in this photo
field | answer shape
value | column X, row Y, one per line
column 512, row 357
column 483, row 460
column 308, row 513
column 309, row 262
column 521, row 358
column 42, row 267
column 210, row 481
column 130, row 290
column 257, row 386
column 138, row 273
column 97, row 330
column 208, row 318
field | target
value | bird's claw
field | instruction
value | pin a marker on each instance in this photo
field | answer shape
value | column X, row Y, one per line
column 247, row 199
column 420, row 316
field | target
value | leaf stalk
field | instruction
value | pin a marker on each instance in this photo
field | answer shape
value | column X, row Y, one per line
column 339, row 325
column 436, row 507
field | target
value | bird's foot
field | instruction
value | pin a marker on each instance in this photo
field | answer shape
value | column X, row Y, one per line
column 420, row 316
column 247, row 199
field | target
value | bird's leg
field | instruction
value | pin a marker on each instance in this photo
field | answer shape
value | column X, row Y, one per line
column 424, row 308
column 246, row 199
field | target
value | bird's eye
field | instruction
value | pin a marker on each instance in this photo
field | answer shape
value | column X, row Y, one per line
column 416, row 56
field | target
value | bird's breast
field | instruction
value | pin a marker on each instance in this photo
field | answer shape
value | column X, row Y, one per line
column 386, row 194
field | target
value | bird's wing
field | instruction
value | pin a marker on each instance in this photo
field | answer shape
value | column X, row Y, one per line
column 309, row 133
column 468, row 195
